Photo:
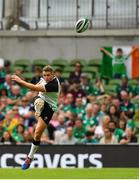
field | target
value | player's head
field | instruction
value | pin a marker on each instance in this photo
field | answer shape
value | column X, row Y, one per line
column 119, row 52
column 48, row 73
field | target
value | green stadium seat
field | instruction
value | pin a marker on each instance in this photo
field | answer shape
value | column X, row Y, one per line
column 82, row 61
column 114, row 81
column 56, row 67
column 89, row 69
column 132, row 82
column 22, row 62
column 59, row 62
column 40, row 62
column 28, row 75
column 65, row 75
column 14, row 68
column 110, row 89
column 95, row 62
column 69, row 69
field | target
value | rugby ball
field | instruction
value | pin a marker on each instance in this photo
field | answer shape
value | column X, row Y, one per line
column 82, row 25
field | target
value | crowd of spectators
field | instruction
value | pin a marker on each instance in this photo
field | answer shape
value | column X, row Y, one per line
column 86, row 113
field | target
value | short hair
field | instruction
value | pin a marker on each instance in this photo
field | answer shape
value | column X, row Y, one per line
column 119, row 50
column 48, row 68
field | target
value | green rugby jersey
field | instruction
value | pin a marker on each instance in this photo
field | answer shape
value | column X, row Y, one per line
column 118, row 64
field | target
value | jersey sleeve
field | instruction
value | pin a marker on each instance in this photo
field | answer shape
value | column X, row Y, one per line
column 51, row 86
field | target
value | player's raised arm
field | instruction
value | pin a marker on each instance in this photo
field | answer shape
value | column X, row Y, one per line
column 37, row 87
column 106, row 52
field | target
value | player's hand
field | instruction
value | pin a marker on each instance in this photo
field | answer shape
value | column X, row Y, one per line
column 101, row 49
column 16, row 78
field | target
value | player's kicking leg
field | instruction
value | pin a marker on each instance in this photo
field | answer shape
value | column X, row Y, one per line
column 40, row 127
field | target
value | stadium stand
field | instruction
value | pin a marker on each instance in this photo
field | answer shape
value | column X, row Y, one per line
column 84, row 107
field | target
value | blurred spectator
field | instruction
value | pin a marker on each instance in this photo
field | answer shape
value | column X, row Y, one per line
column 85, row 84
column 58, row 74
column 99, row 130
column 4, row 105
column 89, row 138
column 76, row 91
column 1, row 129
column 124, row 86
column 126, row 106
column 103, row 108
column 98, row 87
column 7, row 66
column 60, row 129
column 119, row 133
column 116, row 102
column 68, row 137
column 24, row 107
column 16, row 114
column 37, row 76
column 129, row 137
column 7, row 84
column 75, row 76
column 18, row 133
column 89, row 122
column 108, row 138
column 70, row 118
column 4, row 93
column 118, row 61
column 7, row 138
column 113, row 113
column 96, row 113
column 79, row 130
column 79, row 107
column 9, row 122
column 14, row 98
column 27, row 137
column 122, row 124
column 68, row 103
column 54, row 121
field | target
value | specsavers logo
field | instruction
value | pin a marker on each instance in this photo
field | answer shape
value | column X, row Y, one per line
column 67, row 160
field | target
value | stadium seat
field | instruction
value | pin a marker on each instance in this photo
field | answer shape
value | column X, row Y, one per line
column 132, row 82
column 89, row 69
column 59, row 62
column 82, row 61
column 28, row 75
column 40, row 62
column 114, row 81
column 65, row 75
column 69, row 69
column 14, row 68
column 95, row 62
column 24, row 63
column 110, row 89
column 56, row 67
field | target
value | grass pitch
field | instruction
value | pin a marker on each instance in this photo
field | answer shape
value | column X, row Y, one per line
column 88, row 173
